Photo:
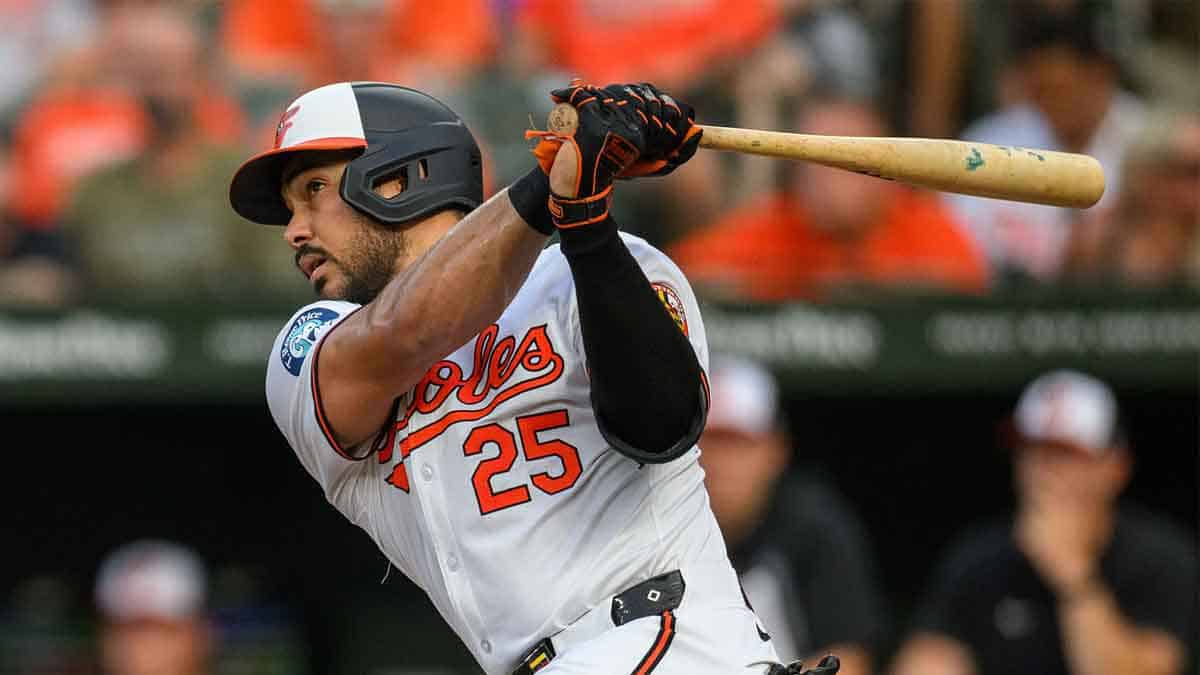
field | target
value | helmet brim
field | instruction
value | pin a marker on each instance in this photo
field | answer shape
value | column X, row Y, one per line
column 255, row 189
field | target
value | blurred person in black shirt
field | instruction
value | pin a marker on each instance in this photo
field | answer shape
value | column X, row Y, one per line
column 1076, row 583
column 151, row 596
column 800, row 552
column 1151, row 236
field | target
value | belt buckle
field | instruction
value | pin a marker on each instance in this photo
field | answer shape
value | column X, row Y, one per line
column 537, row 658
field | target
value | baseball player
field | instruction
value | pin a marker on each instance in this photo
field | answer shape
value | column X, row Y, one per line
column 513, row 424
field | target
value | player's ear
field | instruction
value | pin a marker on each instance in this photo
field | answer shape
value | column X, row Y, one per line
column 391, row 185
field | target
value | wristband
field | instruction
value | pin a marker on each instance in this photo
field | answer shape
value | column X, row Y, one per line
column 529, row 195
column 568, row 213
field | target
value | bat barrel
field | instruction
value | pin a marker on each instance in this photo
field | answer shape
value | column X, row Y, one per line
column 980, row 169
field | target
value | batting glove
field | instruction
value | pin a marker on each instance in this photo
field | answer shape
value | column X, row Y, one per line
column 609, row 139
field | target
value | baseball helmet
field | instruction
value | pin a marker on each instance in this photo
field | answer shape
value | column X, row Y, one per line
column 401, row 131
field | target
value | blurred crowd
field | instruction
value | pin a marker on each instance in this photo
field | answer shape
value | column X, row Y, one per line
column 121, row 122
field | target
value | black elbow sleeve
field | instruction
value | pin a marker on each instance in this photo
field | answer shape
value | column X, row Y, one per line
column 648, row 390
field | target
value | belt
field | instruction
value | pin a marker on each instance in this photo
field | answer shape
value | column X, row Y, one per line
column 652, row 597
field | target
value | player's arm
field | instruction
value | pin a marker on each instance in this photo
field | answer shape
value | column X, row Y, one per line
column 648, row 389
column 434, row 306
column 1100, row 640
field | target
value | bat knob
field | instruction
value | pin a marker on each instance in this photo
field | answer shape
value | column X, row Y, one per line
column 563, row 119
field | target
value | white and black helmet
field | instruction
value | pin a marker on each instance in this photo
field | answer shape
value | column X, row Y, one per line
column 401, row 131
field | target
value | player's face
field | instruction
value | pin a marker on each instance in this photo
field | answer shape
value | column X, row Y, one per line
column 1052, row 474
column 842, row 203
column 739, row 471
column 1065, row 86
column 344, row 254
column 154, row 647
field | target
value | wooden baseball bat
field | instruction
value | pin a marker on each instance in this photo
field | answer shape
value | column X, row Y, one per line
column 980, row 169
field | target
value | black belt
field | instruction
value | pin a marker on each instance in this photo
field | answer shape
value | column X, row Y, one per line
column 652, row 597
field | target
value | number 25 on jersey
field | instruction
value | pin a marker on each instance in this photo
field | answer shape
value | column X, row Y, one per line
column 529, row 439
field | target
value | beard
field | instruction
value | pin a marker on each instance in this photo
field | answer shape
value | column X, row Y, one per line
column 369, row 262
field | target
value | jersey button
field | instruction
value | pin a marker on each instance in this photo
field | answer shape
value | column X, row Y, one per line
column 427, row 472
column 486, row 647
column 452, row 562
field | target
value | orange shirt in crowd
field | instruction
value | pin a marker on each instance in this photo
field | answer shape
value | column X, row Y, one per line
column 661, row 41
column 70, row 133
column 286, row 38
column 769, row 251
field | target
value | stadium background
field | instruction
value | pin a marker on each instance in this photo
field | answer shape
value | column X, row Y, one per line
column 130, row 368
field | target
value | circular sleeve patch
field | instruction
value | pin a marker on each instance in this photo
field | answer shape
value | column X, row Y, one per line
column 670, row 300
column 306, row 330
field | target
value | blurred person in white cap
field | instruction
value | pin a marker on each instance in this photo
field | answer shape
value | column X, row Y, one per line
column 800, row 552
column 1077, row 583
column 151, row 599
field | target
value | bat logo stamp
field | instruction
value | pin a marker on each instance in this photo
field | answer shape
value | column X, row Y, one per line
column 974, row 160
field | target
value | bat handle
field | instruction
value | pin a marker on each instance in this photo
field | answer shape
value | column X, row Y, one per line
column 563, row 119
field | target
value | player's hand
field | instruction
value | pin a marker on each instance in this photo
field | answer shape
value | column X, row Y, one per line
column 672, row 136
column 1063, row 541
column 609, row 138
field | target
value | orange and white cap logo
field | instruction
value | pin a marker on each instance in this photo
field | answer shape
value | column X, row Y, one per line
column 323, row 114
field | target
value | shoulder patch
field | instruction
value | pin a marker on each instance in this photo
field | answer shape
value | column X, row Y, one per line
column 670, row 300
column 306, row 330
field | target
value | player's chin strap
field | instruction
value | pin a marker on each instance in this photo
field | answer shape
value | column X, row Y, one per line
column 828, row 666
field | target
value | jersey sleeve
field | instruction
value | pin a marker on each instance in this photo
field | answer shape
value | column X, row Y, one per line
column 294, row 399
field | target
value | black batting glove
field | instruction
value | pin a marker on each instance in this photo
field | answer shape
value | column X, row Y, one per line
column 672, row 136
column 609, row 138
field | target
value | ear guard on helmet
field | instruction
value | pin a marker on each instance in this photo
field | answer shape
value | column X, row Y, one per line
column 440, row 167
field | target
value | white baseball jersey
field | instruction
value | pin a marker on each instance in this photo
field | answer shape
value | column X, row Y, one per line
column 493, row 489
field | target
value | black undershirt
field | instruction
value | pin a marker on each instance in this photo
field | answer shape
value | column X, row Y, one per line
column 647, row 387
column 988, row 596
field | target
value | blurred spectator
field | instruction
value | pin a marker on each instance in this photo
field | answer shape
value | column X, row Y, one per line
column 1164, row 64
column 151, row 596
column 671, row 43
column 302, row 44
column 1151, row 237
column 41, row 630
column 936, row 61
column 34, row 267
column 800, row 552
column 100, row 109
column 821, row 46
column 1076, row 583
column 159, row 223
column 63, row 135
column 831, row 231
column 816, row 45
column 34, row 36
column 1066, row 60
